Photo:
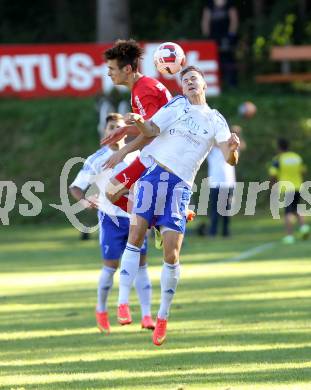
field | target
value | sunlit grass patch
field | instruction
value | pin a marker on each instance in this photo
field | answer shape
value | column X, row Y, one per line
column 239, row 325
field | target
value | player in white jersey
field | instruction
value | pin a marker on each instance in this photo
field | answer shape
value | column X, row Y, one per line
column 114, row 227
column 185, row 129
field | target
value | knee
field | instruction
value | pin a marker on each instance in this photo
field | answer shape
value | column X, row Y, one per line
column 136, row 238
column 171, row 256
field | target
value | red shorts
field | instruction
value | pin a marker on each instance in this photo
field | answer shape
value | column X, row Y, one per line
column 131, row 174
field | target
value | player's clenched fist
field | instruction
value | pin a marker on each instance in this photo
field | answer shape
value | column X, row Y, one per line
column 131, row 118
column 233, row 142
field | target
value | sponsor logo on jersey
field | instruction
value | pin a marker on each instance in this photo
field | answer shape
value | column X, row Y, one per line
column 140, row 106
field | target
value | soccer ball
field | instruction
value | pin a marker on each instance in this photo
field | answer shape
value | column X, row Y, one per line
column 169, row 58
column 247, row 109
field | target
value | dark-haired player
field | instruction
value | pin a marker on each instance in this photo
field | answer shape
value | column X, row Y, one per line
column 148, row 95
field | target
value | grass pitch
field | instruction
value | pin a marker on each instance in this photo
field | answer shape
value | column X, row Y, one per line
column 240, row 319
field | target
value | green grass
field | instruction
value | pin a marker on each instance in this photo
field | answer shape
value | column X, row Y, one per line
column 233, row 325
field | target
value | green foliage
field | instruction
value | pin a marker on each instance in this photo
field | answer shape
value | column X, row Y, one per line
column 284, row 24
column 282, row 34
column 308, row 31
column 167, row 21
column 259, row 47
column 38, row 137
column 47, row 21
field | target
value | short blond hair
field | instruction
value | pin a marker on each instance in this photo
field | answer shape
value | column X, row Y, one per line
column 113, row 116
column 190, row 68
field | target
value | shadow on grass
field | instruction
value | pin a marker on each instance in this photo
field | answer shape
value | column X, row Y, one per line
column 164, row 366
column 233, row 300
column 267, row 314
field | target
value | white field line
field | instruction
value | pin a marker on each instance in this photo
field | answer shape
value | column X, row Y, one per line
column 249, row 253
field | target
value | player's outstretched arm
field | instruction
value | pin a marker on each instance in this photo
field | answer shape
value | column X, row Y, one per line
column 90, row 202
column 118, row 134
column 230, row 149
column 137, row 143
column 147, row 128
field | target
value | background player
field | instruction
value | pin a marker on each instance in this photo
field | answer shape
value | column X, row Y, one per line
column 288, row 166
column 114, row 228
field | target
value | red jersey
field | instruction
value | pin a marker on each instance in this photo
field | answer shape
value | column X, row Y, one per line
column 148, row 96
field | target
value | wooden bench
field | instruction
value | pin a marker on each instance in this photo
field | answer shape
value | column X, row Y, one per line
column 287, row 54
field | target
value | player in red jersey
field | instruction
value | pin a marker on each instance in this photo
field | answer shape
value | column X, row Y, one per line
column 148, row 95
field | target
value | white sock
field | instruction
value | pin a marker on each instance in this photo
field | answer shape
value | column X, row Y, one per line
column 105, row 283
column 144, row 290
column 128, row 270
column 169, row 279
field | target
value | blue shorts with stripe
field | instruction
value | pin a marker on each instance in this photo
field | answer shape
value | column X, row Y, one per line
column 113, row 235
column 162, row 198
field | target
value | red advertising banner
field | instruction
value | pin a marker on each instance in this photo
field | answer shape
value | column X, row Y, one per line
column 34, row 71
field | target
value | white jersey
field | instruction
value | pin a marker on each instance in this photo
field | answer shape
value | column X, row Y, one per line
column 187, row 134
column 220, row 173
column 92, row 172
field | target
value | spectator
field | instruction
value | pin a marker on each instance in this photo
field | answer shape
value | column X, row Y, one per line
column 222, row 181
column 288, row 166
column 220, row 23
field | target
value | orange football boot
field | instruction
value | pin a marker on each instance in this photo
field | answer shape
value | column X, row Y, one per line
column 102, row 320
column 159, row 333
column 147, row 323
column 124, row 314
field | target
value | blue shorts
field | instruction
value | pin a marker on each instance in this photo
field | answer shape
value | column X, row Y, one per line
column 162, row 198
column 113, row 238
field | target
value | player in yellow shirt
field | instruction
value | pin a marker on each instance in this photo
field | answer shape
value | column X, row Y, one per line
column 288, row 166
